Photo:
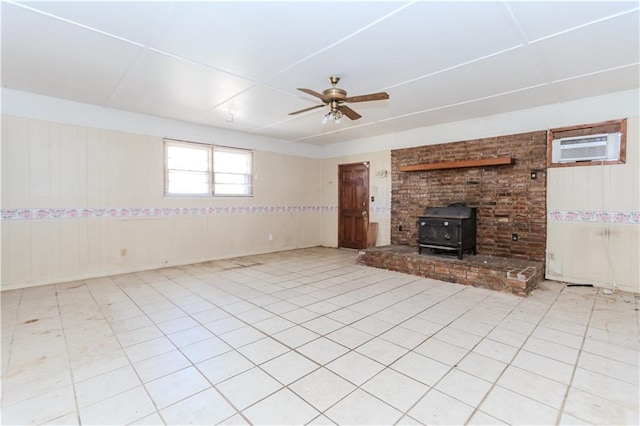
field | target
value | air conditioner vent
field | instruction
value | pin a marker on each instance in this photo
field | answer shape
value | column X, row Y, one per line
column 602, row 147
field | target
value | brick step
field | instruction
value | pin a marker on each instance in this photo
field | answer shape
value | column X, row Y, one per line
column 516, row 276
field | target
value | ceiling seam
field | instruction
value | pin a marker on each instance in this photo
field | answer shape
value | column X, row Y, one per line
column 451, row 68
column 77, row 24
column 597, row 21
column 425, row 111
column 513, row 21
column 467, row 102
column 342, row 40
column 596, row 72
column 136, row 61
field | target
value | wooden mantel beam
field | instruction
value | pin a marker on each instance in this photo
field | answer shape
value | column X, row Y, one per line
column 500, row 161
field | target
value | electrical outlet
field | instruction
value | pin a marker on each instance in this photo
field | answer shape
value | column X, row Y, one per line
column 514, row 237
column 373, row 198
column 270, row 237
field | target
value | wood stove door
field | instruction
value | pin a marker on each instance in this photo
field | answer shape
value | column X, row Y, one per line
column 439, row 232
column 353, row 205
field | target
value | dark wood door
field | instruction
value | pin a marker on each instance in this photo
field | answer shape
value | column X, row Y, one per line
column 353, row 205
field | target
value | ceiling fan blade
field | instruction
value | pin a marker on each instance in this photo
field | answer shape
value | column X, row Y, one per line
column 349, row 112
column 307, row 109
column 314, row 93
column 370, row 97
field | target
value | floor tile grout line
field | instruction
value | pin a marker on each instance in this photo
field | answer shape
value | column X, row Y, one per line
column 66, row 345
column 192, row 364
column 13, row 335
column 284, row 386
column 575, row 366
column 321, row 366
column 469, row 351
column 195, row 366
column 123, row 290
column 495, row 382
column 454, row 366
column 349, row 350
column 131, row 364
column 359, row 387
column 59, row 328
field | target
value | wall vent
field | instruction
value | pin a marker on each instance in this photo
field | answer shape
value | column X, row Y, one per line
column 602, row 147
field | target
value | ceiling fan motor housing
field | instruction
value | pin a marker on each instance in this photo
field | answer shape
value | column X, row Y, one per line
column 335, row 93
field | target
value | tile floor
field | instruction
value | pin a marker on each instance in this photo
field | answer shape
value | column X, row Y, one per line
column 308, row 337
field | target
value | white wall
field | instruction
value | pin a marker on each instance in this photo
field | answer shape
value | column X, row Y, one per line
column 51, row 169
column 593, row 233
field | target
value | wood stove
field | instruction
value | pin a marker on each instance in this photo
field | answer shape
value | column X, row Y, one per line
column 451, row 228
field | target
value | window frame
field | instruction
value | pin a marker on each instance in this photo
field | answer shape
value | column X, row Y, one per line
column 211, row 148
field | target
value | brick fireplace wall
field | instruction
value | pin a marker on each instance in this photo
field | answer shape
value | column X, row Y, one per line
column 507, row 199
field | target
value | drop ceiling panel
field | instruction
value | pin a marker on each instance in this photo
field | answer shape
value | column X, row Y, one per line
column 531, row 98
column 133, row 20
column 426, row 37
column 340, row 135
column 604, row 45
column 43, row 55
column 540, row 19
column 510, row 71
column 257, row 107
column 618, row 80
column 162, row 85
column 273, row 35
column 295, row 128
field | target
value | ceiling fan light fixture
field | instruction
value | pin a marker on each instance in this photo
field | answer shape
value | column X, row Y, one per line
column 335, row 115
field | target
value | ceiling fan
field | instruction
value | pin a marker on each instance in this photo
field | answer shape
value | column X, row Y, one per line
column 335, row 98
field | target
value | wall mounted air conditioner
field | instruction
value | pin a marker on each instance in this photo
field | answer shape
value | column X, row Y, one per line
column 602, row 147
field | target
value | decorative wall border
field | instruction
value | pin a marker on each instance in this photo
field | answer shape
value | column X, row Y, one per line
column 594, row 216
column 379, row 210
column 82, row 213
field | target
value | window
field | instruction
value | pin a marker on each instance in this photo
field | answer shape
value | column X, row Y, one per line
column 200, row 169
column 232, row 171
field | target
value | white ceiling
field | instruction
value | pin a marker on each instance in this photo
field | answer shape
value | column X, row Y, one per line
column 439, row 61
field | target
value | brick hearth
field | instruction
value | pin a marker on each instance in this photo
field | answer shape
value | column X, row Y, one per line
column 517, row 276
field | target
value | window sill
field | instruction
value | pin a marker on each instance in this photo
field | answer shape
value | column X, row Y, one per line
column 206, row 196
